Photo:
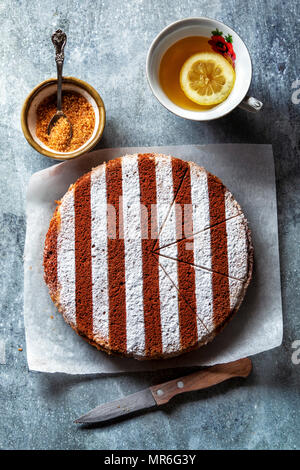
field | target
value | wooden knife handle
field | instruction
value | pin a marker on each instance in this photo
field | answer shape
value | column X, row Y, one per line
column 202, row 379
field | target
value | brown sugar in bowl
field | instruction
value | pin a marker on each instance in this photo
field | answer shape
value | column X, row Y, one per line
column 48, row 88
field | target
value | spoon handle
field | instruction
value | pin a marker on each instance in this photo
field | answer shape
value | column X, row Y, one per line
column 59, row 39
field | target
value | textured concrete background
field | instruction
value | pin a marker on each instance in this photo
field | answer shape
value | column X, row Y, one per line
column 107, row 45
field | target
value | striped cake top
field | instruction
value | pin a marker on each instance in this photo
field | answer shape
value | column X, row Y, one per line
column 148, row 256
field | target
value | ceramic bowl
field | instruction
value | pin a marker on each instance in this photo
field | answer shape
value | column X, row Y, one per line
column 47, row 88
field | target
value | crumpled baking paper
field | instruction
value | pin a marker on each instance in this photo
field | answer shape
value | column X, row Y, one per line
column 248, row 171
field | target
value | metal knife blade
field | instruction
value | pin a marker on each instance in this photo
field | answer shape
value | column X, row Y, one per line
column 137, row 401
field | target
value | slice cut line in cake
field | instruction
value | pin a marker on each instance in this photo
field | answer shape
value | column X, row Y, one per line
column 104, row 275
column 200, row 202
column 213, row 298
column 222, row 248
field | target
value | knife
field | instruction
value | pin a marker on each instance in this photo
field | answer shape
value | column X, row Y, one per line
column 160, row 394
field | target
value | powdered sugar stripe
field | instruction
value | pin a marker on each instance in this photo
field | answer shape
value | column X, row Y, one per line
column 169, row 314
column 236, row 291
column 166, row 216
column 237, row 249
column 99, row 253
column 232, row 208
column 202, row 250
column 204, row 301
column 200, row 198
column 165, row 197
column 66, row 258
column 133, row 256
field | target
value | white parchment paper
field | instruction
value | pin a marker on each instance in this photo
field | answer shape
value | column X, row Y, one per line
column 248, row 171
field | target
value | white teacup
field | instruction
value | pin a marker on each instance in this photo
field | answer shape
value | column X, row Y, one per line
column 202, row 27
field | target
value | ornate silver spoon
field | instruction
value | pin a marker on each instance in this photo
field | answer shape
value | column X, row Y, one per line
column 59, row 39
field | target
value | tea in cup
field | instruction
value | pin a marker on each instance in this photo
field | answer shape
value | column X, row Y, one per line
column 200, row 69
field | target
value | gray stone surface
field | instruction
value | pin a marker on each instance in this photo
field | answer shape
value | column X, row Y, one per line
column 107, row 46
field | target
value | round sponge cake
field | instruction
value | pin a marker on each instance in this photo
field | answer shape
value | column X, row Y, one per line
column 148, row 256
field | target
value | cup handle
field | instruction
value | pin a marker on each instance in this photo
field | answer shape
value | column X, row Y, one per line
column 251, row 104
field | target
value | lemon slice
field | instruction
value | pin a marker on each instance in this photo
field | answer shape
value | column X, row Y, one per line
column 207, row 78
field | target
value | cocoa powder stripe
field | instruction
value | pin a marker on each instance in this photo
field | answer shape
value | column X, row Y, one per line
column 153, row 337
column 186, row 272
column 50, row 254
column 83, row 260
column 218, row 237
column 116, row 258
